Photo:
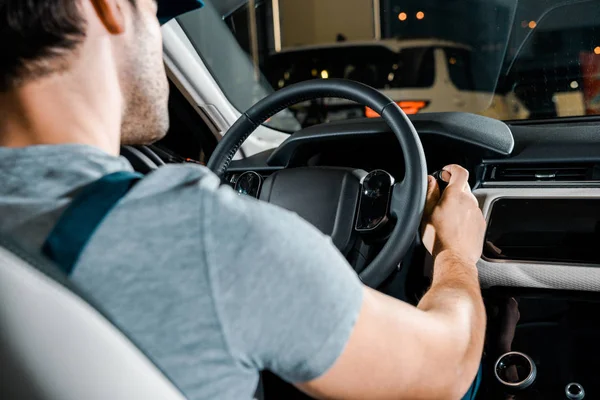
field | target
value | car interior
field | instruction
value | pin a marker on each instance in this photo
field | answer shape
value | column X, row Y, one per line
column 361, row 181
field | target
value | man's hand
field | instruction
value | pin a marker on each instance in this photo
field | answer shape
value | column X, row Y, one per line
column 452, row 222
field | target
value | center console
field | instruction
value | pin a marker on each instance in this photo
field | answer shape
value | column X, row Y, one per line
column 541, row 345
column 540, row 274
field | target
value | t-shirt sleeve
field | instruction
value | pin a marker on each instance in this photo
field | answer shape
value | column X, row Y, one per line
column 287, row 300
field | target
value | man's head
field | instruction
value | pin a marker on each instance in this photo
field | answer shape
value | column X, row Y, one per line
column 117, row 41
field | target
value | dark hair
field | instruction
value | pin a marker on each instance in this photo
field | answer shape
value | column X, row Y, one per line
column 36, row 38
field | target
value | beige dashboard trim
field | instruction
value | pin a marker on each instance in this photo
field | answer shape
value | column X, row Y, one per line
column 531, row 274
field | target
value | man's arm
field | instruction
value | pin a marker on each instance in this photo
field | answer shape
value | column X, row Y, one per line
column 397, row 351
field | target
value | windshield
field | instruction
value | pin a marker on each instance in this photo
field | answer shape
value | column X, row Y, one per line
column 507, row 59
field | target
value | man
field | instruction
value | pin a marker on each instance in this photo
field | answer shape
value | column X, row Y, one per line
column 213, row 287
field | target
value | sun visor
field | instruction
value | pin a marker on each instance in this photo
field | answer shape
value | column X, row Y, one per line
column 169, row 9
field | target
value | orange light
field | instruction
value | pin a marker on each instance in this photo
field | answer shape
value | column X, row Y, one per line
column 532, row 24
column 370, row 113
column 420, row 15
column 597, row 50
column 402, row 16
column 409, row 107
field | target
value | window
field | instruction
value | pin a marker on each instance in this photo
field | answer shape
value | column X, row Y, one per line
column 534, row 58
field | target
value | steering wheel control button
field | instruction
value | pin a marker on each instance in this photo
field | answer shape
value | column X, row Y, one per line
column 574, row 391
column 376, row 189
column 438, row 177
column 515, row 371
column 249, row 184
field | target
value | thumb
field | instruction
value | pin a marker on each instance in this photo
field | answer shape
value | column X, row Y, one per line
column 433, row 195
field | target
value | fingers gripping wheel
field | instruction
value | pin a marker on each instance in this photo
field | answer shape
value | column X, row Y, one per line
column 408, row 197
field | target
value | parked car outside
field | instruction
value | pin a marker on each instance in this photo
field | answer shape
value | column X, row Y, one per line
column 422, row 75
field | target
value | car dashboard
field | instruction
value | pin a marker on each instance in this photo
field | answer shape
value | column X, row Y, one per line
column 538, row 186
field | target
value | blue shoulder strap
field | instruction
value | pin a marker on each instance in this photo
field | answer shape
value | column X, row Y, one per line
column 472, row 393
column 82, row 217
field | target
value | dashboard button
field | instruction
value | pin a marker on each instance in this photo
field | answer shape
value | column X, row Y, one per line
column 249, row 184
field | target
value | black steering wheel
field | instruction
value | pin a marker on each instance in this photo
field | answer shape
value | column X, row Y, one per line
column 347, row 191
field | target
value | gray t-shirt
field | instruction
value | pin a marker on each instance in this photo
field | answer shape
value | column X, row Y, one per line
column 212, row 286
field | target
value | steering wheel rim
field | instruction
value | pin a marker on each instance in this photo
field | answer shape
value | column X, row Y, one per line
column 408, row 197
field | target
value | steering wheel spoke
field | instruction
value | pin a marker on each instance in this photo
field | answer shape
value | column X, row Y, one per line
column 400, row 198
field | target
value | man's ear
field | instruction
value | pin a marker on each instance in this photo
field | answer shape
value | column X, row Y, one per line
column 111, row 14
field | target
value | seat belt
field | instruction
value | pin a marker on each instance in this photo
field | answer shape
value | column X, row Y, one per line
column 474, row 389
column 79, row 221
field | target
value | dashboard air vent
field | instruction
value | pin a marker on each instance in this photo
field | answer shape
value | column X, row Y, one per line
column 542, row 172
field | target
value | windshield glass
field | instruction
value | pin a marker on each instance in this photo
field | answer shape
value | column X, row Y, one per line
column 506, row 59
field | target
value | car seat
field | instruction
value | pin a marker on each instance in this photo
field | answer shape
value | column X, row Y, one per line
column 55, row 345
